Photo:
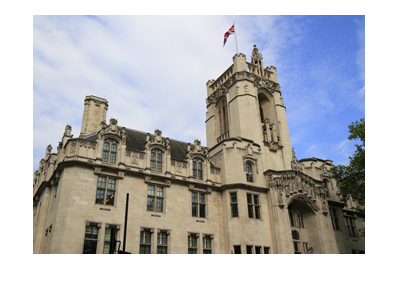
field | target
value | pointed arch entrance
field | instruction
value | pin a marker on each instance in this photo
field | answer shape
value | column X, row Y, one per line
column 304, row 230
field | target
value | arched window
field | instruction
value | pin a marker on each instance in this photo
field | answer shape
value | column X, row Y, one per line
column 249, row 172
column 198, row 169
column 110, row 152
column 156, row 159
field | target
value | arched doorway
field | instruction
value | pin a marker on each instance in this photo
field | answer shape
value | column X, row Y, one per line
column 304, row 229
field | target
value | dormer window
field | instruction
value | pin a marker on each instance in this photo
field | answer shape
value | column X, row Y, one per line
column 198, row 169
column 156, row 158
column 110, row 152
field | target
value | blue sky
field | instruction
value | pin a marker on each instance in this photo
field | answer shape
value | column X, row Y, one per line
column 153, row 72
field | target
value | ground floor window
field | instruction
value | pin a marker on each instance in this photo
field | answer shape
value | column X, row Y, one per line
column 207, row 248
column 145, row 241
column 162, row 242
column 237, row 249
column 91, row 235
column 192, row 243
column 110, row 239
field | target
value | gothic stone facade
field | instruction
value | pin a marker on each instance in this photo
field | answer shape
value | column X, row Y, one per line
column 246, row 192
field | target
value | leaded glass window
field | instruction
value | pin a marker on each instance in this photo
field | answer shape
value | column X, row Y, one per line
column 111, row 230
column 106, row 188
column 249, row 172
column 156, row 158
column 253, row 206
column 155, row 198
column 162, row 242
column 90, row 242
column 192, row 243
column 234, row 205
column 145, row 241
column 110, row 152
column 197, row 169
column 198, row 204
column 207, row 248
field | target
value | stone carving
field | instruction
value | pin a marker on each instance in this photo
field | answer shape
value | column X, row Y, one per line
column 288, row 184
column 73, row 147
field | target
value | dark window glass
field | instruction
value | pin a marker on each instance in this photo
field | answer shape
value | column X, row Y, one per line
column 192, row 244
column 155, row 198
column 162, row 242
column 100, row 196
column 198, row 205
column 237, row 249
column 207, row 249
column 156, row 161
column 249, row 172
column 90, row 242
column 249, row 249
column 106, row 195
column 234, row 206
column 145, row 242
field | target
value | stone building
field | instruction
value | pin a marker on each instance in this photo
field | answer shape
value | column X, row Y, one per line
column 246, row 192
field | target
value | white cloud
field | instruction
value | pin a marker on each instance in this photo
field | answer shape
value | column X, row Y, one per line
column 153, row 72
column 149, row 68
column 311, row 148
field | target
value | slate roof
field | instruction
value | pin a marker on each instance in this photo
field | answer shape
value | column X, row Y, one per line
column 136, row 140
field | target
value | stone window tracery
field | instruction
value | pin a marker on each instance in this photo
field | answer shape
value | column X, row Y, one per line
column 110, row 152
column 249, row 172
column 106, row 188
column 156, row 160
column 198, row 169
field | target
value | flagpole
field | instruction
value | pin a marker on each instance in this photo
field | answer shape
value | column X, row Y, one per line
column 237, row 52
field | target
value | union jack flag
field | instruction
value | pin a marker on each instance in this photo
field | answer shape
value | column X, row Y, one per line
column 230, row 32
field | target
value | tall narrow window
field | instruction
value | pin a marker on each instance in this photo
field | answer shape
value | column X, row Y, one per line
column 156, row 158
column 234, row 205
column 198, row 204
column 223, row 120
column 249, row 172
column 261, row 112
column 207, row 248
column 351, row 226
column 110, row 152
column 109, row 240
column 197, row 169
column 192, row 243
column 334, row 218
column 145, row 241
column 155, row 198
column 253, row 206
column 90, row 243
column 162, row 242
column 106, row 188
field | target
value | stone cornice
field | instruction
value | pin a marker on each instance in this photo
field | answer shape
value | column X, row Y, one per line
column 119, row 172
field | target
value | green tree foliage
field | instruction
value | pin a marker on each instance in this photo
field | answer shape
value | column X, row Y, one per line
column 351, row 179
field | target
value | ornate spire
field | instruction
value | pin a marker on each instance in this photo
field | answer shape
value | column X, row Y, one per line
column 256, row 59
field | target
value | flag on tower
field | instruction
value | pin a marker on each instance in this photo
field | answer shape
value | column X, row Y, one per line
column 230, row 32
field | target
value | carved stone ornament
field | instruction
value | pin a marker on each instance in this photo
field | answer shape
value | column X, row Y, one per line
column 252, row 160
column 293, row 184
